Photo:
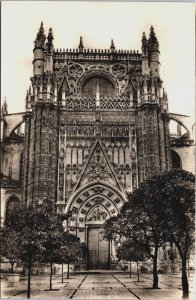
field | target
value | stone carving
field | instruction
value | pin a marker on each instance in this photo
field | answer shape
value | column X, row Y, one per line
column 70, row 76
column 119, row 70
column 98, row 190
column 114, row 103
column 80, row 103
column 84, row 118
column 98, row 169
column 97, row 214
column 117, row 118
column 75, row 70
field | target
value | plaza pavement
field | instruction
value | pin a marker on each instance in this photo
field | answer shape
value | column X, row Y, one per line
column 101, row 285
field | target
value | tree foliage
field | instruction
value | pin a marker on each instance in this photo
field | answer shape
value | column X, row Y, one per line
column 131, row 253
column 176, row 194
column 161, row 210
column 72, row 250
column 30, row 229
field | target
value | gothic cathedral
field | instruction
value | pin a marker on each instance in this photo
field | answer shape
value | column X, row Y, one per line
column 96, row 125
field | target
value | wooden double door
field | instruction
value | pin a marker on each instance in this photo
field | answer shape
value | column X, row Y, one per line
column 99, row 249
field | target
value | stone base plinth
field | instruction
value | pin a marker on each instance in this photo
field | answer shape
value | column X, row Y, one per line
column 13, row 279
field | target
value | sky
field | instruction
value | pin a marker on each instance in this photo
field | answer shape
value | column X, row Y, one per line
column 98, row 23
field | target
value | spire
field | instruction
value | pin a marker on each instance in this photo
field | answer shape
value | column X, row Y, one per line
column 4, row 109
column 41, row 30
column 152, row 36
column 40, row 39
column 112, row 47
column 50, row 38
column 81, row 46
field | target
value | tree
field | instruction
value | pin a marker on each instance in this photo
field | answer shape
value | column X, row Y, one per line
column 172, row 257
column 131, row 253
column 29, row 227
column 52, row 246
column 10, row 248
column 176, row 193
column 139, row 222
column 72, row 250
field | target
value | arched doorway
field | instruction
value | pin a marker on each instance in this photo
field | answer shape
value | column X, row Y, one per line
column 99, row 248
column 90, row 207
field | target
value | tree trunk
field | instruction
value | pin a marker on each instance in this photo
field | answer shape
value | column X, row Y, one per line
column 130, row 269
column 188, row 268
column 185, row 285
column 173, row 267
column 23, row 269
column 62, row 272
column 51, row 277
column 29, row 280
column 12, row 267
column 68, row 271
column 155, row 273
column 138, row 273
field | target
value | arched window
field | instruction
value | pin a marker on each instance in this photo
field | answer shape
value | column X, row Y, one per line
column 12, row 204
column 176, row 160
column 98, row 85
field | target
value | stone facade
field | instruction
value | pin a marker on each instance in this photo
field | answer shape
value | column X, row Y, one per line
column 96, row 126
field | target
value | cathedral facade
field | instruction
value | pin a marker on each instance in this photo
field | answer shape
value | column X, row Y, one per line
column 96, row 125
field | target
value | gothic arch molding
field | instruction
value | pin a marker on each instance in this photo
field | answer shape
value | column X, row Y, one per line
column 90, row 186
column 91, row 198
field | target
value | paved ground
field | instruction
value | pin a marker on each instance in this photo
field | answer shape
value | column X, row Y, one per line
column 101, row 286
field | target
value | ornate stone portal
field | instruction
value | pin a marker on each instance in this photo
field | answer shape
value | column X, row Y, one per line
column 96, row 126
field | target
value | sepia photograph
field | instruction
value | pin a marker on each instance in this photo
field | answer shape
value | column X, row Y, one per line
column 97, row 150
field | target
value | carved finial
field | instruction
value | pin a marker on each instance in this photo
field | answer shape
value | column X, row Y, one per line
column 112, row 47
column 81, row 45
column 50, row 38
column 144, row 39
column 4, row 109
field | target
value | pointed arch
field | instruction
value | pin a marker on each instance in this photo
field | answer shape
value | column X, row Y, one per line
column 12, row 203
column 109, row 193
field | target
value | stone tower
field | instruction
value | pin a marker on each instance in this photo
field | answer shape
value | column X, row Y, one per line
column 96, row 126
